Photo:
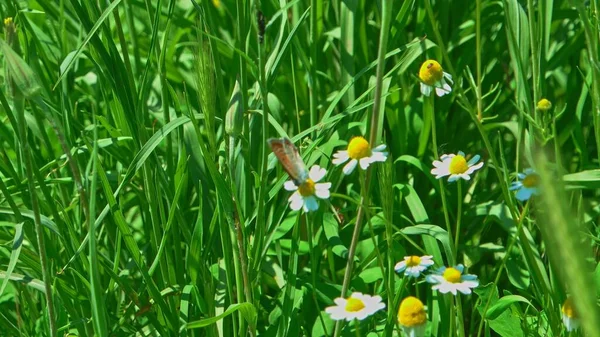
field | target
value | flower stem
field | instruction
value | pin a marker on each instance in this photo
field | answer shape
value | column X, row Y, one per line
column 373, row 138
column 314, row 266
column 460, row 318
column 458, row 217
column 451, row 259
column 452, row 330
column 478, row 51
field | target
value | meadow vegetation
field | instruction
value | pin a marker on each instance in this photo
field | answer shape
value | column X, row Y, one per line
column 300, row 168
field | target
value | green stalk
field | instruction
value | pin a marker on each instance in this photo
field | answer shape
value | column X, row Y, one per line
column 396, row 304
column 591, row 36
column 290, row 286
column 452, row 330
column 347, row 14
column 458, row 216
column 373, row 138
column 261, row 225
column 313, row 65
column 314, row 266
column 502, row 264
column 535, row 71
column 35, row 208
column 97, row 298
column 459, row 314
column 426, row 129
column 451, row 259
column 478, row 55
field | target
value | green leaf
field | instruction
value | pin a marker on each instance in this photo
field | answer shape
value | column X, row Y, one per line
column 14, row 255
column 589, row 179
column 503, row 304
column 506, row 324
column 331, row 229
column 246, row 309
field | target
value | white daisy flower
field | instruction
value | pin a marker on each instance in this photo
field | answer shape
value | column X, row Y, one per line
column 432, row 76
column 306, row 194
column 359, row 152
column 569, row 316
column 357, row 306
column 452, row 279
column 412, row 317
column 413, row 266
column 455, row 166
column 526, row 185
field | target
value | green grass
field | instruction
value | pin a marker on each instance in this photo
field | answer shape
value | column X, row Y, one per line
column 139, row 196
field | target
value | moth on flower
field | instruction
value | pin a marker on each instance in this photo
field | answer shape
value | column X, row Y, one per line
column 305, row 184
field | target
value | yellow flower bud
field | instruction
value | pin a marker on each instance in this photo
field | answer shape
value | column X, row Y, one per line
column 544, row 105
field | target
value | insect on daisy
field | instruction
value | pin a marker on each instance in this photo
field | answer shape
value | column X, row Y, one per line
column 412, row 317
column 304, row 183
column 413, row 266
column 359, row 152
column 569, row 315
column 432, row 76
column 452, row 279
column 358, row 306
column 455, row 166
column 527, row 184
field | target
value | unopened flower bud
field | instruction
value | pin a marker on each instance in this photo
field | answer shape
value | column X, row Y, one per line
column 234, row 119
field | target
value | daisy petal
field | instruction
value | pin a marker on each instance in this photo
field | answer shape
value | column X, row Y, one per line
column 317, row 173
column 524, row 194
column 425, row 89
column 290, row 186
column 350, row 166
column 322, row 190
column 340, row 157
column 379, row 148
column 364, row 162
column 310, row 204
column 296, row 201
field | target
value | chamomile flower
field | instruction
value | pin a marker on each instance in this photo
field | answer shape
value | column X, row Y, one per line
column 528, row 184
column 357, row 306
column 413, row 266
column 455, row 166
column 412, row 317
column 452, row 279
column 305, row 195
column 359, row 152
column 569, row 315
column 432, row 76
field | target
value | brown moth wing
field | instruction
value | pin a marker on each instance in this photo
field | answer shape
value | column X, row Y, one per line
column 289, row 157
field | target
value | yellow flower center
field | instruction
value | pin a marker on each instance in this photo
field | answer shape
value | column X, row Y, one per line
column 307, row 188
column 358, row 148
column 411, row 312
column 531, row 180
column 458, row 165
column 8, row 21
column 413, row 261
column 452, row 275
column 568, row 309
column 431, row 72
column 544, row 104
column 354, row 305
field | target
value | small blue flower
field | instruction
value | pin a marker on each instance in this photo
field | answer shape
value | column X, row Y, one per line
column 527, row 184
